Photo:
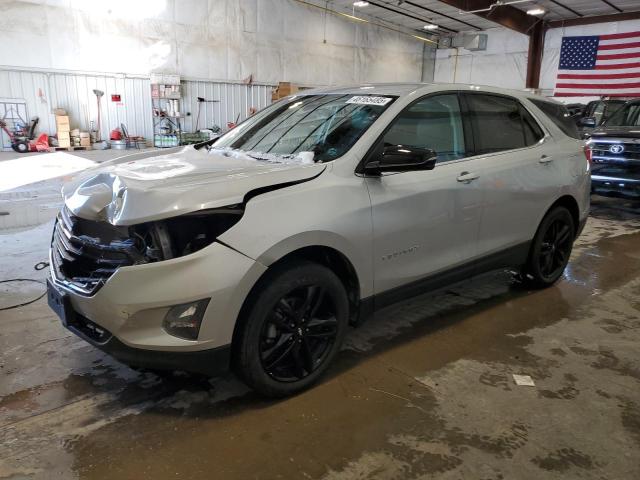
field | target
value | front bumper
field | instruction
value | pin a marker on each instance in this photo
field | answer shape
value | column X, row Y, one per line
column 615, row 185
column 132, row 304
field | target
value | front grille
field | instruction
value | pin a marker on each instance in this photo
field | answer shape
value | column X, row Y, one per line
column 601, row 152
column 85, row 253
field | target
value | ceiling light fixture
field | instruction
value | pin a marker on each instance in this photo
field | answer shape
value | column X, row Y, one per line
column 536, row 11
column 360, row 4
column 430, row 26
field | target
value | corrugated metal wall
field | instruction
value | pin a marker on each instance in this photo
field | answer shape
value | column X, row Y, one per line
column 43, row 91
column 233, row 100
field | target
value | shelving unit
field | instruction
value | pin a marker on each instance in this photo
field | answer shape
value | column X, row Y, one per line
column 165, row 103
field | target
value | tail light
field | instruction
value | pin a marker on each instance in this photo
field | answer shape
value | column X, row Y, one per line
column 588, row 153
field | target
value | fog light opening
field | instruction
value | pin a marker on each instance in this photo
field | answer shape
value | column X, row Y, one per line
column 183, row 321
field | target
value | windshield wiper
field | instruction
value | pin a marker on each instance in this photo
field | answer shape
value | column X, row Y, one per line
column 261, row 159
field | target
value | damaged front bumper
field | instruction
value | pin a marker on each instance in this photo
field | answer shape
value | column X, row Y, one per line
column 125, row 316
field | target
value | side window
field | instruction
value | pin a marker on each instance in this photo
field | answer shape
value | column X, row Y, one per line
column 435, row 123
column 598, row 112
column 532, row 131
column 558, row 115
column 500, row 123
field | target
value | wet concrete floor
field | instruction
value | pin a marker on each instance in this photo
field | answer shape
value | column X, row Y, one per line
column 424, row 390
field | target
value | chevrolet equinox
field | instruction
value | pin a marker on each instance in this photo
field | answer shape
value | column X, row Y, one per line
column 258, row 250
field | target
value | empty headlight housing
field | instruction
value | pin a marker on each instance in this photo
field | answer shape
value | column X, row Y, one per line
column 179, row 236
column 183, row 321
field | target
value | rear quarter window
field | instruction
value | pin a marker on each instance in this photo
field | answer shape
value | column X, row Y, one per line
column 559, row 115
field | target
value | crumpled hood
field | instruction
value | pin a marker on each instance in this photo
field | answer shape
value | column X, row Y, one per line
column 169, row 185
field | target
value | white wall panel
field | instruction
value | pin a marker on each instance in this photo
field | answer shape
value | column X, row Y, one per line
column 74, row 93
column 234, row 100
column 219, row 40
column 504, row 63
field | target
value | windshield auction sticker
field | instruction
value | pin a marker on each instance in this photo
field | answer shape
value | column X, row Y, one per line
column 367, row 100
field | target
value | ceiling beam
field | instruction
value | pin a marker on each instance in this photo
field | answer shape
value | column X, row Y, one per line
column 562, row 5
column 504, row 15
column 459, row 20
column 400, row 12
column 614, row 17
column 617, row 9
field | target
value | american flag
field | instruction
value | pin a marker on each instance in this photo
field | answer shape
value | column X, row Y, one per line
column 599, row 65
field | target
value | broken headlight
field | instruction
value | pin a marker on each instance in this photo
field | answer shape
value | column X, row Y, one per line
column 179, row 236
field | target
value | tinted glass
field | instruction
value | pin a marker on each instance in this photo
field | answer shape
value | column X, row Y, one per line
column 532, row 131
column 558, row 115
column 598, row 112
column 628, row 116
column 435, row 123
column 612, row 107
column 500, row 123
column 327, row 125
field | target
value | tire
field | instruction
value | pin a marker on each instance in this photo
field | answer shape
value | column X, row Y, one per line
column 293, row 327
column 551, row 249
column 20, row 147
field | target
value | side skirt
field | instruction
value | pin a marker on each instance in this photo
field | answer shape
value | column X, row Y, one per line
column 515, row 256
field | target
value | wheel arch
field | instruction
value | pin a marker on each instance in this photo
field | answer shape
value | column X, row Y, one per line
column 325, row 255
column 571, row 204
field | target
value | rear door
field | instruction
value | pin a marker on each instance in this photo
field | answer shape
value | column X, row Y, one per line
column 425, row 222
column 519, row 172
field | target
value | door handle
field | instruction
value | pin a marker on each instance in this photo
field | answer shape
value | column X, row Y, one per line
column 467, row 177
column 545, row 159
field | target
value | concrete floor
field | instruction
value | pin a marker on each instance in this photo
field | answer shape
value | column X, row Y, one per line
column 424, row 390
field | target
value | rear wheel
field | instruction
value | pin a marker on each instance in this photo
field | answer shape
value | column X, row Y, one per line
column 293, row 329
column 551, row 248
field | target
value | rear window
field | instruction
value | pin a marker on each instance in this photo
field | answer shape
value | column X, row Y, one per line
column 500, row 123
column 558, row 115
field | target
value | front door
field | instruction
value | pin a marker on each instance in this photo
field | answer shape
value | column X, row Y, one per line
column 425, row 222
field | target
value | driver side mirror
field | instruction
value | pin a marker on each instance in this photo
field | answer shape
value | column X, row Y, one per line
column 400, row 158
column 589, row 122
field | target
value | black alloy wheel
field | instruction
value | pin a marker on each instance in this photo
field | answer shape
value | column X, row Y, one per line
column 298, row 334
column 291, row 328
column 551, row 248
column 555, row 248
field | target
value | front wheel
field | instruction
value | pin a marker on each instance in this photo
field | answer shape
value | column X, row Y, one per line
column 551, row 248
column 20, row 146
column 293, row 328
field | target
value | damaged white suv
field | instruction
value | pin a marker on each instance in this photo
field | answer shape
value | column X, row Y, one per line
column 258, row 251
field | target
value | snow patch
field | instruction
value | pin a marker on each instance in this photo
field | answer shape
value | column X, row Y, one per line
column 302, row 158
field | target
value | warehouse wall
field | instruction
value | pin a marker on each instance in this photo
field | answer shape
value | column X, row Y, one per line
column 504, row 63
column 43, row 91
column 228, row 40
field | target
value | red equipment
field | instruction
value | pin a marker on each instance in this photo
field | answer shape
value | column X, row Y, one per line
column 22, row 141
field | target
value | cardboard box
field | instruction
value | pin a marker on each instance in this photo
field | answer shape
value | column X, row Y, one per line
column 75, row 132
column 283, row 89
column 64, row 143
column 85, row 142
column 84, row 135
column 59, row 111
column 64, row 136
column 62, row 123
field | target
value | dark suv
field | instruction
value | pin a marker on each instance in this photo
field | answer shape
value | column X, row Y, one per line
column 615, row 151
column 597, row 112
